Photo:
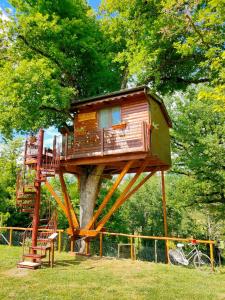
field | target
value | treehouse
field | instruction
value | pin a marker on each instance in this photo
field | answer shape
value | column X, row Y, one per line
column 114, row 134
column 115, row 128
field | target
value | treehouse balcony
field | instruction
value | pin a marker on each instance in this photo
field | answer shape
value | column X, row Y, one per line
column 120, row 138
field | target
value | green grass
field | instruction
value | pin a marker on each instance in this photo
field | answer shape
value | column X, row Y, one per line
column 94, row 278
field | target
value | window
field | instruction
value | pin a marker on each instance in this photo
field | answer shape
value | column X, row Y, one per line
column 109, row 116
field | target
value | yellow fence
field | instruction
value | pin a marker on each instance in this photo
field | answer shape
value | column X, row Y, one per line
column 130, row 236
column 162, row 238
column 11, row 229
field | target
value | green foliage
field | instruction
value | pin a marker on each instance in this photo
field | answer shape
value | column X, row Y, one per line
column 169, row 44
column 198, row 146
column 143, row 213
column 9, row 153
column 51, row 53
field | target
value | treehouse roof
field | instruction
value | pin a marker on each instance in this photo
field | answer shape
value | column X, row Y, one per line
column 122, row 95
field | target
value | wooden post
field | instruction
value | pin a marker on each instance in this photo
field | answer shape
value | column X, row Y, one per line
column 100, row 244
column 38, row 189
column 60, row 242
column 102, row 141
column 66, row 145
column 87, row 247
column 10, row 236
column 164, row 216
column 131, row 248
column 72, row 244
column 52, row 253
column 54, row 147
column 211, row 256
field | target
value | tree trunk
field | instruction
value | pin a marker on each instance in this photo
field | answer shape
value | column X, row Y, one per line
column 90, row 181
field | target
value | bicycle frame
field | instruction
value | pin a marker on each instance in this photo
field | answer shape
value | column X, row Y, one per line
column 190, row 255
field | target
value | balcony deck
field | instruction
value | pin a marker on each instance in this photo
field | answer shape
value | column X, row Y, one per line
column 129, row 138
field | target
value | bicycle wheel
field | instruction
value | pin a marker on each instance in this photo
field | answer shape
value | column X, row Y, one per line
column 201, row 261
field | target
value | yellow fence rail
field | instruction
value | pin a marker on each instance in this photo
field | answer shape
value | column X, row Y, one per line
column 130, row 236
column 11, row 229
column 162, row 238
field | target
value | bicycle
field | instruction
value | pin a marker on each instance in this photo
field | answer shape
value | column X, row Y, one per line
column 199, row 259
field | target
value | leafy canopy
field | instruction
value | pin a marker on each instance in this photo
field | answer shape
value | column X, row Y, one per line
column 51, row 53
column 170, row 44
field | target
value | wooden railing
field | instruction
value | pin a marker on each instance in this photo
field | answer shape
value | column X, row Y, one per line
column 129, row 236
column 134, row 137
column 158, row 238
column 25, row 229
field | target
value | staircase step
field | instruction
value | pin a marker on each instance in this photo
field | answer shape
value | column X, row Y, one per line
column 34, row 256
column 40, row 240
column 27, row 197
column 27, row 210
column 25, row 204
column 44, row 248
column 29, row 192
column 29, row 265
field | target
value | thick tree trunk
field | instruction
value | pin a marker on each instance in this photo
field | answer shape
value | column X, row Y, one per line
column 90, row 182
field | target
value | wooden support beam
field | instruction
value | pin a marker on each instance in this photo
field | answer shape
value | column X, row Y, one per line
column 164, row 216
column 59, row 202
column 138, row 186
column 109, row 195
column 68, row 204
column 56, row 197
column 119, row 201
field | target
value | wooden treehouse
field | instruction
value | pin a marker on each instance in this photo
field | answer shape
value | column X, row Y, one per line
column 115, row 134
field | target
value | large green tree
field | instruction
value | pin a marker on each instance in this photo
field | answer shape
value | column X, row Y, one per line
column 52, row 52
column 198, row 146
column 9, row 154
column 169, row 44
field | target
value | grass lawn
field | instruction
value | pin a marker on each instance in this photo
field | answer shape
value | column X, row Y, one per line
column 94, row 278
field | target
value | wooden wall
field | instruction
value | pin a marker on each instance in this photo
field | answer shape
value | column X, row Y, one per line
column 135, row 111
column 160, row 140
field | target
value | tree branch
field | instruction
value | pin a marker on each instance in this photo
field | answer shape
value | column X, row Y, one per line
column 39, row 51
column 179, row 80
column 196, row 30
column 44, row 107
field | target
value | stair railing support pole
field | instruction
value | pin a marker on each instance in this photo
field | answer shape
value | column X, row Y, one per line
column 37, row 188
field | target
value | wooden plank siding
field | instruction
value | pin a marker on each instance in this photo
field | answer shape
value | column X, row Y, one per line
column 90, row 140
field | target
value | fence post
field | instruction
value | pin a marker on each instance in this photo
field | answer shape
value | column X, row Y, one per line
column 156, row 256
column 100, row 244
column 10, row 236
column 211, row 256
column 131, row 248
column 60, row 241
column 72, row 244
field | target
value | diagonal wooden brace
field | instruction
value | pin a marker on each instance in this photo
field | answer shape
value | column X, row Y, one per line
column 109, row 195
column 119, row 201
column 55, row 196
column 72, row 218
